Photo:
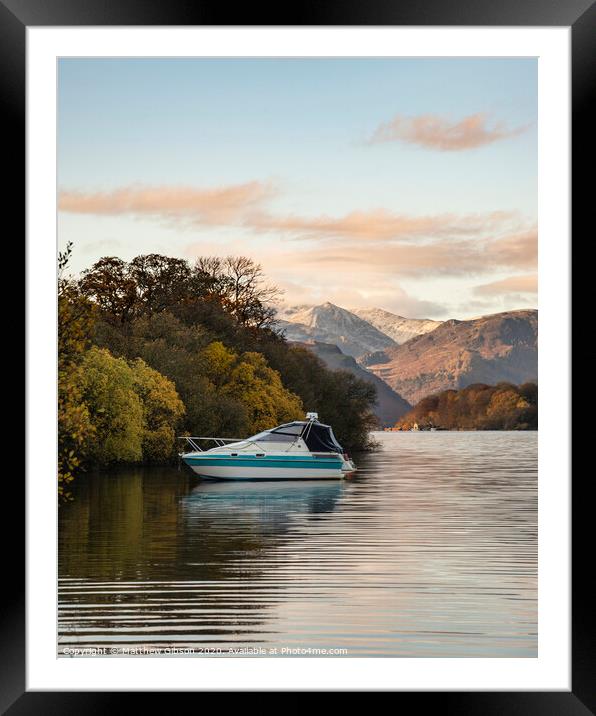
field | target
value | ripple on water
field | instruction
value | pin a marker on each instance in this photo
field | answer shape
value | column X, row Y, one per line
column 431, row 550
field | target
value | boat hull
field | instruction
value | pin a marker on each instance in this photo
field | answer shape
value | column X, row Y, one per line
column 270, row 468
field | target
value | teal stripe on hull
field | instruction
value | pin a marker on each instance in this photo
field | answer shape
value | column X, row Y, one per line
column 267, row 479
column 252, row 458
column 299, row 464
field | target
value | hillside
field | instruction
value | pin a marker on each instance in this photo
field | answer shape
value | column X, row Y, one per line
column 498, row 348
column 477, row 407
column 390, row 406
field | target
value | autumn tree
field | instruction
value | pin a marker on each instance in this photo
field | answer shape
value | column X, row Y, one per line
column 167, row 313
column 152, row 283
column 75, row 324
column 160, row 282
column 111, row 286
column 134, row 409
column 250, row 382
column 478, row 407
column 240, row 283
column 162, row 411
column 108, row 389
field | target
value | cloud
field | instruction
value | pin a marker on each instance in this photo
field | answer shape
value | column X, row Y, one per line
column 476, row 256
column 513, row 284
column 519, row 250
column 210, row 206
column 243, row 205
column 381, row 224
column 434, row 132
column 359, row 256
column 344, row 290
column 370, row 274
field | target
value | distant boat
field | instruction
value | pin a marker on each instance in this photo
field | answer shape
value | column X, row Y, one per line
column 300, row 450
column 414, row 428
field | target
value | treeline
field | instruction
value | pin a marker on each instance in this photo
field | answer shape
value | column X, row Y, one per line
column 155, row 347
column 477, row 407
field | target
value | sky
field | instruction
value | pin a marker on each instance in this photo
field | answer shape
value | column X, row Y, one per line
column 404, row 184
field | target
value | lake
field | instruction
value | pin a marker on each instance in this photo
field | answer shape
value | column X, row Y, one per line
column 430, row 550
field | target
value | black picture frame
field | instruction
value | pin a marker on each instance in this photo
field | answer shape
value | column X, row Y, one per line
column 580, row 15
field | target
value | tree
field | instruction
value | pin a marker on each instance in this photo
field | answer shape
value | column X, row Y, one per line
column 345, row 402
column 160, row 282
column 134, row 409
column 162, row 411
column 240, row 284
column 152, row 283
column 478, row 407
column 110, row 284
column 247, row 381
column 167, row 313
column 75, row 324
column 252, row 382
column 108, row 390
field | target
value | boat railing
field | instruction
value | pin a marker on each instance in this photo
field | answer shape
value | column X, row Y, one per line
column 193, row 441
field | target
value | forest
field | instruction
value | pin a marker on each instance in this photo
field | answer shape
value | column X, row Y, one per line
column 157, row 347
column 478, row 407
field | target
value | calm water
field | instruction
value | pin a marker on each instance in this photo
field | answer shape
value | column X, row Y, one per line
column 430, row 551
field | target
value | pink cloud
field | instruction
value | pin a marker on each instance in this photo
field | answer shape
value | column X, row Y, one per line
column 219, row 205
column 243, row 205
column 435, row 132
column 364, row 263
column 383, row 225
column 513, row 284
column 449, row 258
column 384, row 242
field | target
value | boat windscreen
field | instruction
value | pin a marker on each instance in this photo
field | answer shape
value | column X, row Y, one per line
column 290, row 429
column 274, row 436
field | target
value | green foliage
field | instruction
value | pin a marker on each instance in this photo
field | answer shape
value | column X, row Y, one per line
column 116, row 409
column 75, row 324
column 477, row 407
column 162, row 411
column 134, row 409
column 250, row 381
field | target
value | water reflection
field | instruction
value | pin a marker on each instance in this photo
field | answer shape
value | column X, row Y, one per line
column 430, row 550
column 264, row 508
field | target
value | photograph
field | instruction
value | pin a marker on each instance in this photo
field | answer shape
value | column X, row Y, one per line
column 297, row 395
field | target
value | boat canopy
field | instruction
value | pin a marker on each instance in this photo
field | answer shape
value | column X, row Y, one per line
column 318, row 437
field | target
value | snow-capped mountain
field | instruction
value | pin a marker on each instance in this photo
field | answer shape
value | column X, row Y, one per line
column 397, row 327
column 329, row 323
column 417, row 357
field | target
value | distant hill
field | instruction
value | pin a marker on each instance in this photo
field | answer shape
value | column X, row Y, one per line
column 491, row 349
column 329, row 323
column 397, row 327
column 390, row 406
column 477, row 407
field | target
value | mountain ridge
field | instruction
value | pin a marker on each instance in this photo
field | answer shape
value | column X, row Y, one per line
column 328, row 323
column 397, row 327
column 490, row 349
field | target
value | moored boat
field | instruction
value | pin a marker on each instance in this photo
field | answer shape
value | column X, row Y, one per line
column 300, row 450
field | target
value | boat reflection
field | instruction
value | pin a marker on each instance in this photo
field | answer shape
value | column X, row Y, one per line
column 267, row 507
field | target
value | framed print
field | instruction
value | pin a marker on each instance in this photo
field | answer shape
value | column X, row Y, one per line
column 291, row 291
